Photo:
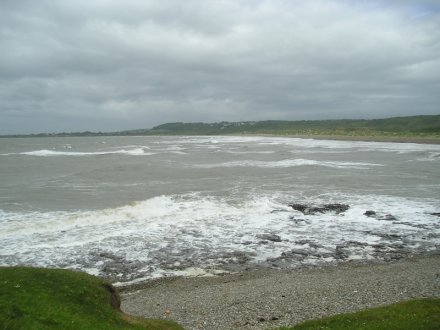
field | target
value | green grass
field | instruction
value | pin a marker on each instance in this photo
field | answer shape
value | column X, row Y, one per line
column 414, row 126
column 410, row 315
column 35, row 298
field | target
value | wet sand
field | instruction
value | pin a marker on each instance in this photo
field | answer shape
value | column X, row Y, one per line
column 271, row 298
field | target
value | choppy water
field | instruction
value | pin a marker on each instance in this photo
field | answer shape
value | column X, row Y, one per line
column 140, row 207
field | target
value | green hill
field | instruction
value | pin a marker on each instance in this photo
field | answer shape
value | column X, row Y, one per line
column 414, row 127
column 423, row 126
column 36, row 298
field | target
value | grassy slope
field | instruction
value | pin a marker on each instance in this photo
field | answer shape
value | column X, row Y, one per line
column 411, row 126
column 415, row 126
column 34, row 298
column 410, row 315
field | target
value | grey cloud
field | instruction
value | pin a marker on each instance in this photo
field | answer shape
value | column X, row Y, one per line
column 109, row 65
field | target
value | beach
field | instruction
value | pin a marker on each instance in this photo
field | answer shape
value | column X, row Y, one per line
column 271, row 298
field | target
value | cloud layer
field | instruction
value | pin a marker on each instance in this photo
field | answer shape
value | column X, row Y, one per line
column 112, row 65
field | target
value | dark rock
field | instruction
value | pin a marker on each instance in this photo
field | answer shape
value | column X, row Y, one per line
column 312, row 244
column 437, row 214
column 388, row 217
column 270, row 237
column 311, row 210
column 300, row 252
column 370, row 213
column 299, row 207
column 277, row 211
column 340, row 253
column 298, row 221
column 338, row 208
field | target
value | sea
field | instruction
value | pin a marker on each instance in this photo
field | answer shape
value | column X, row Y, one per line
column 137, row 208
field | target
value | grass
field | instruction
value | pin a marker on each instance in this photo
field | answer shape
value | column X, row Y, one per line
column 410, row 315
column 35, row 298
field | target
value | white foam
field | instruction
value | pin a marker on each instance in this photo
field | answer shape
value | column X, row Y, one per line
column 205, row 229
column 49, row 153
column 290, row 163
column 304, row 143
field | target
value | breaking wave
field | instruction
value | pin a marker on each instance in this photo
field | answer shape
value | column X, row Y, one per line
column 50, row 153
column 291, row 163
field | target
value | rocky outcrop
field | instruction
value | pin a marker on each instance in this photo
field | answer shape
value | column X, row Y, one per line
column 373, row 214
column 311, row 210
column 370, row 213
column 269, row 237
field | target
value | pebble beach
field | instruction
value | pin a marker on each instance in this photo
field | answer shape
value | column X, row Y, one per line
column 270, row 298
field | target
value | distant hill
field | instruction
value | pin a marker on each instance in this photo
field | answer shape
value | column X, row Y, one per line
column 414, row 126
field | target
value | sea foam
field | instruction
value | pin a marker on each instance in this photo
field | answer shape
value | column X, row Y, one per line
column 167, row 234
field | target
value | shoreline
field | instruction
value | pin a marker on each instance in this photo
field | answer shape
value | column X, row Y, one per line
column 391, row 139
column 270, row 298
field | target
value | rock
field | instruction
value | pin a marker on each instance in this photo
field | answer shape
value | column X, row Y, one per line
column 299, row 207
column 298, row 221
column 270, row 237
column 311, row 210
column 388, row 217
column 340, row 253
column 338, row 208
column 437, row 214
column 370, row 213
column 278, row 211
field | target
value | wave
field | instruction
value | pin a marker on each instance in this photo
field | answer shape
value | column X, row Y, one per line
column 291, row 163
column 170, row 234
column 51, row 153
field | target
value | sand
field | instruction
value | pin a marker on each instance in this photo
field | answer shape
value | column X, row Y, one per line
column 271, row 298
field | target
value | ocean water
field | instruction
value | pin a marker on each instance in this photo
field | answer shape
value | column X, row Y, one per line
column 133, row 208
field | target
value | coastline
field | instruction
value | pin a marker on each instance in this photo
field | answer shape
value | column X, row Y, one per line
column 270, row 298
column 393, row 139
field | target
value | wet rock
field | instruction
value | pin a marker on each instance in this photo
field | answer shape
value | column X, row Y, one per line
column 373, row 214
column 388, row 217
column 298, row 221
column 278, row 211
column 311, row 210
column 299, row 207
column 295, row 251
column 340, row 252
column 312, row 244
column 370, row 213
column 390, row 237
column 270, row 237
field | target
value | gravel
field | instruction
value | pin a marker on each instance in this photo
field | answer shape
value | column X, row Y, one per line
column 272, row 298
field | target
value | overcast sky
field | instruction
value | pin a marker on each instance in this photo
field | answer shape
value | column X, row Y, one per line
column 107, row 65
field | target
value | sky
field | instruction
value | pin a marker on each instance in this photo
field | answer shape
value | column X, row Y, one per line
column 110, row 65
